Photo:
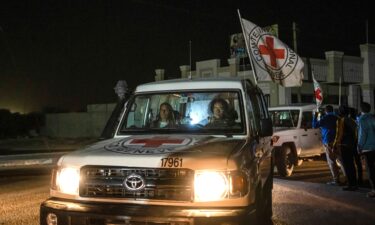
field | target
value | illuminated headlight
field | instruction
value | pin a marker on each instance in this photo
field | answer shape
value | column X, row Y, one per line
column 216, row 185
column 67, row 180
column 210, row 186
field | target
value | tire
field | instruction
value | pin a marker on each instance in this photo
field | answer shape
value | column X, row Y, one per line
column 284, row 161
column 264, row 206
column 267, row 199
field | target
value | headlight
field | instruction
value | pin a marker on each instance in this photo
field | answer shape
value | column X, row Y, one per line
column 216, row 185
column 67, row 180
column 210, row 186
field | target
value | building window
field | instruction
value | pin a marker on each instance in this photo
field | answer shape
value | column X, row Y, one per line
column 294, row 98
column 307, row 98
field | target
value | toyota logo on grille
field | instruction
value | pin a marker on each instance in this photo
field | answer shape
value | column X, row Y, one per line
column 134, row 182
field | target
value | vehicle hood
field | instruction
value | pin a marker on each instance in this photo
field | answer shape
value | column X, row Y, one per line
column 282, row 130
column 195, row 152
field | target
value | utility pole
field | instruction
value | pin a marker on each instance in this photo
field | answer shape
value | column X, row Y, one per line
column 295, row 37
column 190, row 59
column 295, row 50
column 366, row 31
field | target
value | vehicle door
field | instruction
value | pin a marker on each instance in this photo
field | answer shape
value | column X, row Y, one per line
column 263, row 152
column 310, row 138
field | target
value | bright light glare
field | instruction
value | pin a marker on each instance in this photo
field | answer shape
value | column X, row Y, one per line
column 210, row 186
column 194, row 119
column 68, row 181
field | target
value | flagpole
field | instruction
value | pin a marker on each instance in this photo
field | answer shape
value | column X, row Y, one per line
column 247, row 48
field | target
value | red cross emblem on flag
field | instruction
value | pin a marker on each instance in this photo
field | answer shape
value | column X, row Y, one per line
column 156, row 142
column 318, row 94
column 270, row 50
column 317, row 91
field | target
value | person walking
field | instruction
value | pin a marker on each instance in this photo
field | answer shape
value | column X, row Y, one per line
column 346, row 143
column 357, row 158
column 366, row 143
column 327, row 125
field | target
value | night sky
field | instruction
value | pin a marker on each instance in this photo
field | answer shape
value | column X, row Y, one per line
column 70, row 53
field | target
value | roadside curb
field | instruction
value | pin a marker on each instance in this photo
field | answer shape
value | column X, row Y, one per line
column 27, row 162
column 30, row 151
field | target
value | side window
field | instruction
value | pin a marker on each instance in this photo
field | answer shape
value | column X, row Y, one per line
column 256, row 112
column 139, row 113
column 306, row 121
column 263, row 106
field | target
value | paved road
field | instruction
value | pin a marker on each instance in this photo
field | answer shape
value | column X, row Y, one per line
column 317, row 171
column 297, row 203
column 294, row 202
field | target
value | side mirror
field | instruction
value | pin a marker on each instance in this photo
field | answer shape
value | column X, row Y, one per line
column 266, row 127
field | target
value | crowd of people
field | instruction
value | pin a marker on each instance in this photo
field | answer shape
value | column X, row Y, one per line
column 346, row 139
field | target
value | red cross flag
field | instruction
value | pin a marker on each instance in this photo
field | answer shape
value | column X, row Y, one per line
column 271, row 58
column 318, row 92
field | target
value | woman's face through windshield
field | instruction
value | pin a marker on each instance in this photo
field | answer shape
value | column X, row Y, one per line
column 218, row 110
column 164, row 113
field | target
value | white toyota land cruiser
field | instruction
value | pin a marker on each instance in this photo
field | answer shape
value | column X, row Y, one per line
column 188, row 170
column 294, row 138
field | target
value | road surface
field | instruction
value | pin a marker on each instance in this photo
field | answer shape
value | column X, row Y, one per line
column 294, row 202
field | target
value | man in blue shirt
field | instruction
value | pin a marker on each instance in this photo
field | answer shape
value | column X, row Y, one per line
column 327, row 125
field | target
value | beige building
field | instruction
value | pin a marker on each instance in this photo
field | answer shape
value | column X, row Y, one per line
column 357, row 78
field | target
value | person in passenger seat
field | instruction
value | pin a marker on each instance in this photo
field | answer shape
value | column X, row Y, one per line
column 166, row 118
column 220, row 114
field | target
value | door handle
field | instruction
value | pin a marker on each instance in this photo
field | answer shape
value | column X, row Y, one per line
column 304, row 135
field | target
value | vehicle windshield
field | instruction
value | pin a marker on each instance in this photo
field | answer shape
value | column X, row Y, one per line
column 185, row 112
column 285, row 118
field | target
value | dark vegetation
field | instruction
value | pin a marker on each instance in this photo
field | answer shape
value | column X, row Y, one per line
column 14, row 125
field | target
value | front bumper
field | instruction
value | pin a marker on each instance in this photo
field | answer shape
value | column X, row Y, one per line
column 90, row 213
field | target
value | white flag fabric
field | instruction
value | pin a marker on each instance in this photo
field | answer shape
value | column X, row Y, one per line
column 272, row 59
column 318, row 92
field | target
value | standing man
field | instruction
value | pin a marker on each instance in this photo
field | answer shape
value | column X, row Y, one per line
column 366, row 143
column 327, row 125
column 346, row 143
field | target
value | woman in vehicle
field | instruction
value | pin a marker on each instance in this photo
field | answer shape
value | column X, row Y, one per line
column 221, row 115
column 166, row 118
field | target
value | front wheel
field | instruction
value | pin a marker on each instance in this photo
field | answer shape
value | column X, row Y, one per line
column 264, row 206
column 284, row 161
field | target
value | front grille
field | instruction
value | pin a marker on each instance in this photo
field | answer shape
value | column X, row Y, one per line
column 160, row 184
column 78, row 220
